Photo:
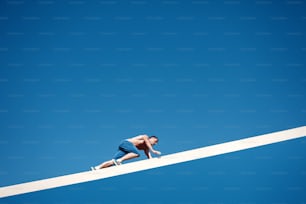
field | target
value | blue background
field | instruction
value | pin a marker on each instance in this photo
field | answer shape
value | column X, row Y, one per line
column 77, row 77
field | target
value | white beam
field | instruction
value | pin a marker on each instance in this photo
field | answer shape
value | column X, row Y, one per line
column 170, row 159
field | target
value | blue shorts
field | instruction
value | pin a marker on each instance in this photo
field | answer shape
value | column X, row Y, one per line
column 124, row 148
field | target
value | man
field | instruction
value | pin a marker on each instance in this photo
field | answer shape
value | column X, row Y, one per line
column 129, row 149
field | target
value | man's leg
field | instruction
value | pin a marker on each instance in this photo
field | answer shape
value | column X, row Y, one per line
column 130, row 150
column 109, row 163
column 105, row 164
column 128, row 156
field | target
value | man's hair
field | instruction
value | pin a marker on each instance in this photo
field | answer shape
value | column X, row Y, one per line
column 153, row 136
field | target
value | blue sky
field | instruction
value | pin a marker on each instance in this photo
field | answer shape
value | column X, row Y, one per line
column 77, row 77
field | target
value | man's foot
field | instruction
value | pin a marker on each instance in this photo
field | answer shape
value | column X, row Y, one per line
column 117, row 162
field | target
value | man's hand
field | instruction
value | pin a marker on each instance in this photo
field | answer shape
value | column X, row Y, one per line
column 156, row 152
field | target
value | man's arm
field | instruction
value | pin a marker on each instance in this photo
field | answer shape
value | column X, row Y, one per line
column 148, row 154
column 148, row 144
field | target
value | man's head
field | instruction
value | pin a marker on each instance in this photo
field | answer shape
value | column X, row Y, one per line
column 153, row 140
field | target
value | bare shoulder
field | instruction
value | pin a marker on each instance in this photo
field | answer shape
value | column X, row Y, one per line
column 138, row 137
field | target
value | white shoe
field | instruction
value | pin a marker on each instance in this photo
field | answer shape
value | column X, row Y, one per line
column 116, row 162
column 93, row 168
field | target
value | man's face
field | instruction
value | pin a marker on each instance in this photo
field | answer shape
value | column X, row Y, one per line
column 153, row 141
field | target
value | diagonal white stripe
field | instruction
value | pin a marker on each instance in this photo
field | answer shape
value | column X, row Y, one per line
column 170, row 159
